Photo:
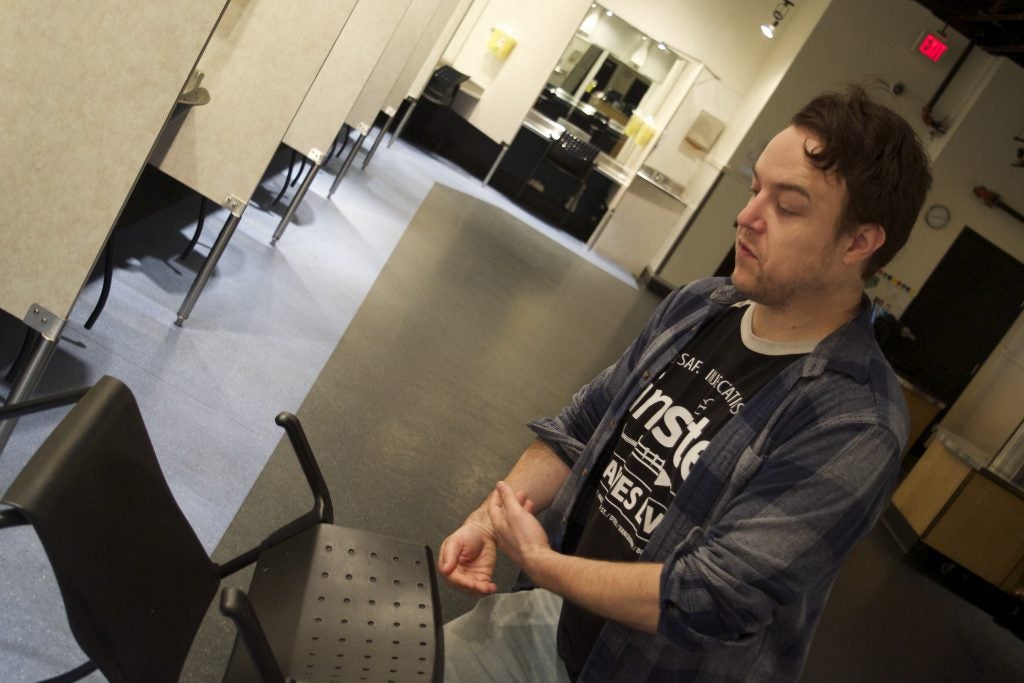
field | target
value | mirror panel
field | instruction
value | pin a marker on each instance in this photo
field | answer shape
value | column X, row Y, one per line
column 606, row 76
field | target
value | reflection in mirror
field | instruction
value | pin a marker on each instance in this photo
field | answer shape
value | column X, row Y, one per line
column 609, row 81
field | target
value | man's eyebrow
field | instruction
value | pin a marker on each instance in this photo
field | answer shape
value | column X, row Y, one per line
column 786, row 187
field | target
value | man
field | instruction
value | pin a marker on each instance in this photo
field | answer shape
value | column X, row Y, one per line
column 706, row 487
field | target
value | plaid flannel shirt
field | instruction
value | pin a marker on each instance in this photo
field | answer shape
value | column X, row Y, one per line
column 755, row 537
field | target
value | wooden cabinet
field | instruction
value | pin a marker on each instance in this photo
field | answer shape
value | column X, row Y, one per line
column 965, row 512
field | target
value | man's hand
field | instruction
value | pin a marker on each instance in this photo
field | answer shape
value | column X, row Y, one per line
column 467, row 558
column 516, row 530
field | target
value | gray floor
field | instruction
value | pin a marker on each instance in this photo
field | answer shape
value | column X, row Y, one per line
column 475, row 324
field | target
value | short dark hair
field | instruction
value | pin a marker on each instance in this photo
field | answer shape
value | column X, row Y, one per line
column 878, row 156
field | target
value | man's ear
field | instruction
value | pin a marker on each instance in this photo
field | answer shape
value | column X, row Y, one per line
column 865, row 240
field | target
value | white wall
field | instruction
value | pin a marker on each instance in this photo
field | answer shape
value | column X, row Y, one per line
column 541, row 28
column 870, row 47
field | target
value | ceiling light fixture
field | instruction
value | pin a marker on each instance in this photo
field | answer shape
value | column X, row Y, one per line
column 778, row 14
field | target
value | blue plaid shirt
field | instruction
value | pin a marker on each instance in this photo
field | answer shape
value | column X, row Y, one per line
column 753, row 541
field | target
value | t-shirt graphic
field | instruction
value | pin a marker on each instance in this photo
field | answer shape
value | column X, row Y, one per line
column 664, row 434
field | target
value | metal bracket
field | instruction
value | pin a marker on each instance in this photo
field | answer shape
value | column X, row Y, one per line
column 44, row 322
column 389, row 111
column 364, row 128
column 234, row 205
column 191, row 95
column 316, row 156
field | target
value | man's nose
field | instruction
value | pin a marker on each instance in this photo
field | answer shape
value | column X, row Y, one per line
column 751, row 217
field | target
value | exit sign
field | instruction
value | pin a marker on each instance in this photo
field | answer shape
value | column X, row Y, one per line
column 931, row 45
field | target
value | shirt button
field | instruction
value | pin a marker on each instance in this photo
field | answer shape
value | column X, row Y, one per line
column 646, row 374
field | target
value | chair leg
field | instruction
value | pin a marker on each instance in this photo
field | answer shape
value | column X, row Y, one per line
column 108, row 276
column 287, row 179
column 235, row 605
column 199, row 230
column 27, row 344
column 302, row 167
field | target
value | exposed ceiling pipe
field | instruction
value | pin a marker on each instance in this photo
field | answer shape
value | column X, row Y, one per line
column 992, row 199
column 926, row 113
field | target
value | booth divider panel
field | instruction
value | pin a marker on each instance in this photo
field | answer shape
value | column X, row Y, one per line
column 428, row 39
column 344, row 73
column 87, row 87
column 372, row 98
column 260, row 63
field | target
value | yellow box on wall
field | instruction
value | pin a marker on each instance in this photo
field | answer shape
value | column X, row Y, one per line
column 500, row 43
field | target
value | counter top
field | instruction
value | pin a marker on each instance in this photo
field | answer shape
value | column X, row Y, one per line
column 662, row 182
column 962, row 448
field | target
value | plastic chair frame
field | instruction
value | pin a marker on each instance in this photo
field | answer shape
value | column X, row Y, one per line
column 233, row 603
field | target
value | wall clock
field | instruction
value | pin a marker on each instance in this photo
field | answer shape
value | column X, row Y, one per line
column 936, row 216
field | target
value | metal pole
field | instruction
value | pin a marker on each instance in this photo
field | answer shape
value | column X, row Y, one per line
column 405, row 119
column 380, row 136
column 348, row 163
column 29, row 378
column 494, row 166
column 211, row 262
column 296, row 200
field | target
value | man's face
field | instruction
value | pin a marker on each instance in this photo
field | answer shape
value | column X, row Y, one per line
column 787, row 244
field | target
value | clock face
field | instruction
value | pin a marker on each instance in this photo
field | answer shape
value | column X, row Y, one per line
column 936, row 216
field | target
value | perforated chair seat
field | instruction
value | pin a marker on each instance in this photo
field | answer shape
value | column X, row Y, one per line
column 346, row 605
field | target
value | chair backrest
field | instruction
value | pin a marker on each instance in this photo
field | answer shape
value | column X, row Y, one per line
column 443, row 84
column 573, row 154
column 135, row 580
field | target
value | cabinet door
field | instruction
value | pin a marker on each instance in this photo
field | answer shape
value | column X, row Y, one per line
column 982, row 530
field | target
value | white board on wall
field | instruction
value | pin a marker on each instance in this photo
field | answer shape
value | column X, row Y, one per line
column 372, row 97
column 87, row 88
column 259, row 64
column 344, row 73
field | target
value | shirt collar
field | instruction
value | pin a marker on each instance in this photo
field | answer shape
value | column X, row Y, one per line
column 849, row 349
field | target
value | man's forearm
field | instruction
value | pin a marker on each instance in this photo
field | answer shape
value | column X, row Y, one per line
column 627, row 592
column 539, row 472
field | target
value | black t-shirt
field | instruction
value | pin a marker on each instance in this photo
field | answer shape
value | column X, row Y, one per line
column 664, row 433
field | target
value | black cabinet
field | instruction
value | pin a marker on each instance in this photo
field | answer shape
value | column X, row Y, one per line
column 548, row 192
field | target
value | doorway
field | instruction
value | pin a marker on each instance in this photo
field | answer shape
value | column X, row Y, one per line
column 964, row 308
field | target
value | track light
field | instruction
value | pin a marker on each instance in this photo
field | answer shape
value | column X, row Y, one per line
column 778, row 14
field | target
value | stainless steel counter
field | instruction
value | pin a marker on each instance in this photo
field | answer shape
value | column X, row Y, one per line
column 662, row 182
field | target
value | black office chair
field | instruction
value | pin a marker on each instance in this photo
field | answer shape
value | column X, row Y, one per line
column 326, row 603
column 574, row 159
column 441, row 90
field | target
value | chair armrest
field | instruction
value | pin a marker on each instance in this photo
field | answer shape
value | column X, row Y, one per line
column 323, row 508
column 36, row 405
column 300, row 444
column 235, row 605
